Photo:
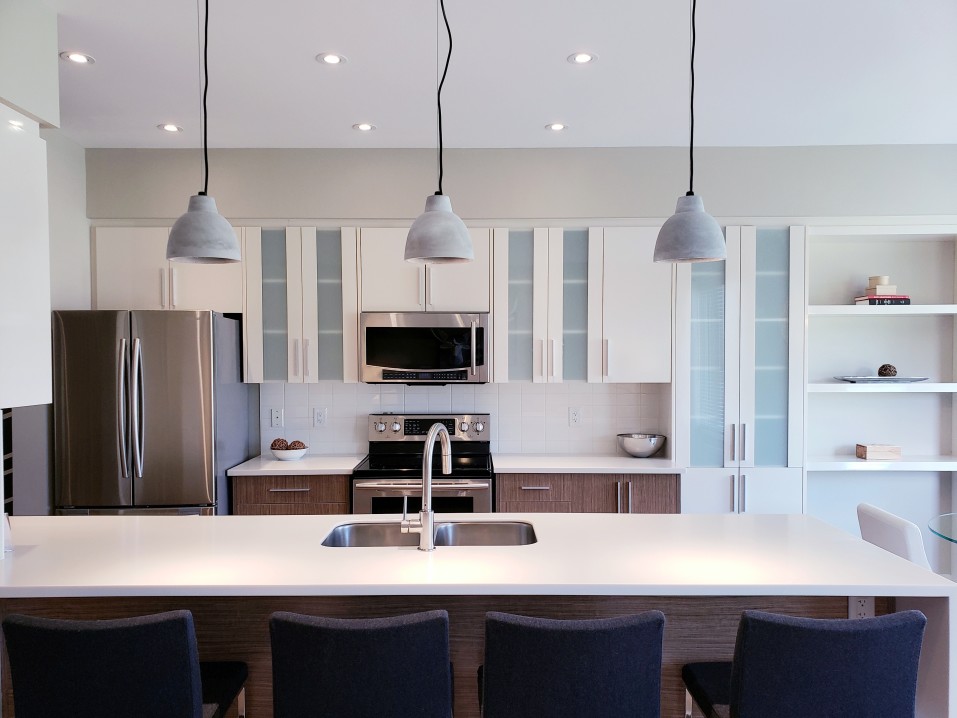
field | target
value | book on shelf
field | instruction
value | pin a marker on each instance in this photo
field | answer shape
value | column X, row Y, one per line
column 880, row 452
column 873, row 299
column 879, row 289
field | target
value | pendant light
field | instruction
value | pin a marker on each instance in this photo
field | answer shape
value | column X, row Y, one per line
column 438, row 236
column 690, row 234
column 202, row 235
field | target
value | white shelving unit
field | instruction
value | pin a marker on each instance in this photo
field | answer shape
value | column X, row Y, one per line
column 844, row 339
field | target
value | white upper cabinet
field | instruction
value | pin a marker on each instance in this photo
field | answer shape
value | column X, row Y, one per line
column 390, row 284
column 629, row 307
column 132, row 272
column 25, row 362
column 301, row 317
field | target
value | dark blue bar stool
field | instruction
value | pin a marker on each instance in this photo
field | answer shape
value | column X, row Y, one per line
column 827, row 668
column 594, row 668
column 394, row 667
column 147, row 666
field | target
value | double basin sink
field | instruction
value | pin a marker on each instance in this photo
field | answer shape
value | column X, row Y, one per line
column 447, row 533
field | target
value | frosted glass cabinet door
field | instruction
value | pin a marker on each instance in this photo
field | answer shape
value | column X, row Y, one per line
column 708, row 336
column 275, row 329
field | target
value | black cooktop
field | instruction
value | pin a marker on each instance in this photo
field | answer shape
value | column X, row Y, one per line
column 408, row 465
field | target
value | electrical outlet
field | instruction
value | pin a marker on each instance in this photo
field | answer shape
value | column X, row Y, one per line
column 320, row 417
column 860, row 607
column 275, row 418
column 575, row 416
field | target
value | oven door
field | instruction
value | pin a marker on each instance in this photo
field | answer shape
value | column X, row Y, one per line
column 386, row 496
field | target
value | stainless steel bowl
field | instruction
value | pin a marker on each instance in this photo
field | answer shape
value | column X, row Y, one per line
column 641, row 445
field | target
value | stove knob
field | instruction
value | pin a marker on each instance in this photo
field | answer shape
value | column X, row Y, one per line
column 379, row 426
column 396, row 426
column 464, row 426
column 479, row 426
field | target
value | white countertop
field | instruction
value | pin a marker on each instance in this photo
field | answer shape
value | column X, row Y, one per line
column 576, row 554
column 564, row 464
column 310, row 464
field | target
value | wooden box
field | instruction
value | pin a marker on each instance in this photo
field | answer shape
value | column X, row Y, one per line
column 878, row 451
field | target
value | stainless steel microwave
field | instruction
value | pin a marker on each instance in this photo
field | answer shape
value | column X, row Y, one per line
column 423, row 348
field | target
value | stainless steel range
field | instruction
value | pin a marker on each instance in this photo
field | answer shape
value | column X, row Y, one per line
column 392, row 472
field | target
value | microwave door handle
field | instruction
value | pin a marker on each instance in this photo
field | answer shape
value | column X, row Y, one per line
column 474, row 349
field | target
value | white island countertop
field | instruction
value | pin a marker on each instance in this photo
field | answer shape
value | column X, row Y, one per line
column 584, row 554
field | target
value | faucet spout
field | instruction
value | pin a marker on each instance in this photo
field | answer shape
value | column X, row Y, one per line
column 425, row 524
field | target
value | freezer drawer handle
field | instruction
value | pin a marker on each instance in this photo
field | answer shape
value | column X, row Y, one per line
column 289, row 491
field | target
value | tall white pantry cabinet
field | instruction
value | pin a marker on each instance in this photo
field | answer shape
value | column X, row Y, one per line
column 739, row 362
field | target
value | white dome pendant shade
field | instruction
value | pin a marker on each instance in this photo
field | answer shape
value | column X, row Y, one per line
column 690, row 235
column 438, row 236
column 202, row 235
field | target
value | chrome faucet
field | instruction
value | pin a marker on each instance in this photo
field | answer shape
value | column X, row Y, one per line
column 425, row 524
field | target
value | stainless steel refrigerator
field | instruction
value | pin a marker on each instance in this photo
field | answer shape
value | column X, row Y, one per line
column 149, row 411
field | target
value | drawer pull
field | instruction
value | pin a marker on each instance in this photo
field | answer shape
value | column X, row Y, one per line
column 536, row 488
column 289, row 491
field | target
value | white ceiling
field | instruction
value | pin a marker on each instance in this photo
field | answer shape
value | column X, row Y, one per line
column 769, row 72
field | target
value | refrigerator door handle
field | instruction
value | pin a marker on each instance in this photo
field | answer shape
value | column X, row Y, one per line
column 121, row 414
column 136, row 408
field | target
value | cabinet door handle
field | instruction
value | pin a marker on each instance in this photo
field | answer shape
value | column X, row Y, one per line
column 544, row 361
column 744, row 442
column 305, row 357
column 743, row 493
column 536, row 488
column 163, row 288
column 295, row 357
column 607, row 358
column 422, row 287
column 289, row 491
column 629, row 497
column 172, row 276
column 551, row 358
column 428, row 287
column 734, row 440
column 734, row 494
column 618, row 492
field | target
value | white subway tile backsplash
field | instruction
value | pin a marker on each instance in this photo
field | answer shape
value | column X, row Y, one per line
column 526, row 417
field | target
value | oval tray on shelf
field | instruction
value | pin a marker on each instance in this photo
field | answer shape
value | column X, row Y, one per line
column 881, row 379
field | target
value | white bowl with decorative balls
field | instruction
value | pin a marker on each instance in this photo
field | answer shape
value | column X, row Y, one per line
column 288, row 451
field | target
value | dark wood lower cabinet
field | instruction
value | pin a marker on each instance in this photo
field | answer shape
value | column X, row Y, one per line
column 278, row 495
column 589, row 493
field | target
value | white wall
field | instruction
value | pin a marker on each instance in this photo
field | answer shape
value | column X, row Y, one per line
column 529, row 184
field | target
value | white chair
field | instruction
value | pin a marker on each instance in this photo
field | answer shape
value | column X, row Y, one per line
column 892, row 533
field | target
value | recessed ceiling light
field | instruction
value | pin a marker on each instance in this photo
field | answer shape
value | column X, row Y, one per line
column 364, row 127
column 78, row 57
column 170, row 127
column 556, row 127
column 331, row 58
column 582, row 58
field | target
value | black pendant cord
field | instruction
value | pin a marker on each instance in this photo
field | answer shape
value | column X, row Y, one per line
column 441, row 83
column 690, row 193
column 205, row 91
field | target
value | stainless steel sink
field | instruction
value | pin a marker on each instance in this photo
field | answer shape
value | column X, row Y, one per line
column 447, row 533
column 484, row 533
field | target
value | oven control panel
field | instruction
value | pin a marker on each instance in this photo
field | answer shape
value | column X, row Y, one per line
column 414, row 427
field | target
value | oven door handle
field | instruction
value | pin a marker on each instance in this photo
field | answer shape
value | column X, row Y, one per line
column 436, row 485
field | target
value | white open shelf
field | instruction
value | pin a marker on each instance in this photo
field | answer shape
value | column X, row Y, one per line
column 908, row 463
column 880, row 310
column 916, row 387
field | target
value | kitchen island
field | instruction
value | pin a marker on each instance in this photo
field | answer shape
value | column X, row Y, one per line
column 233, row 571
